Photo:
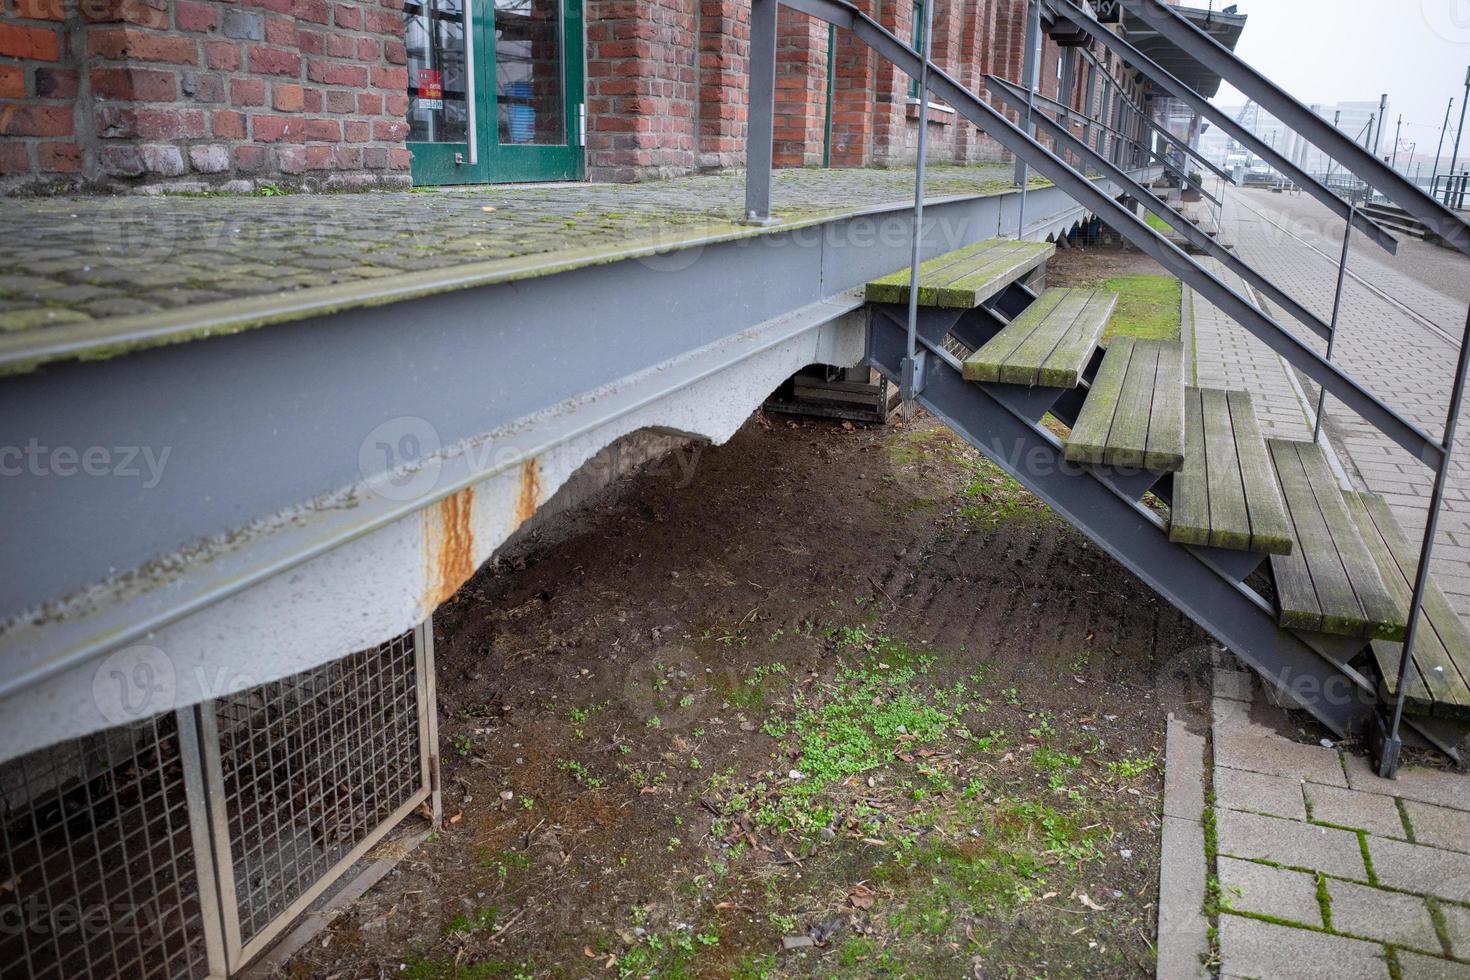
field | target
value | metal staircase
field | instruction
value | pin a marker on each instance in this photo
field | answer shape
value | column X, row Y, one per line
column 1341, row 645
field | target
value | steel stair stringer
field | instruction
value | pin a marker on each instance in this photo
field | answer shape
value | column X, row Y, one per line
column 1002, row 422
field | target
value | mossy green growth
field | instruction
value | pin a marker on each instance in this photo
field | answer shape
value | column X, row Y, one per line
column 1148, row 307
column 1157, row 224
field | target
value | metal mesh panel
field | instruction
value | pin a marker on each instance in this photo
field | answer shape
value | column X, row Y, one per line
column 97, row 873
column 312, row 764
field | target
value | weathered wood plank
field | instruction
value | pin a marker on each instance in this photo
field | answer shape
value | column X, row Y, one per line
column 1048, row 344
column 1439, row 680
column 964, row 278
column 1165, row 447
column 1341, row 592
column 1270, row 533
column 1089, row 438
column 1189, row 511
column 1230, row 525
column 1127, row 444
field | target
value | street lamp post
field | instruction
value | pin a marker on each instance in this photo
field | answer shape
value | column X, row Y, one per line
column 1434, row 174
column 1397, row 131
column 1455, row 156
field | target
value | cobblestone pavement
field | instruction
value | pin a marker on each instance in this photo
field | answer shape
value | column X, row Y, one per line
column 1405, row 357
column 71, row 260
column 1308, row 864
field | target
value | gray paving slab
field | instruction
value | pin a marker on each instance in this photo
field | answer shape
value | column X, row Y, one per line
column 1356, row 809
column 1286, row 842
column 1416, row 868
column 1457, row 925
column 1254, row 792
column 1416, row 966
column 1183, row 942
column 1276, row 756
column 1184, row 772
column 1234, row 684
column 1439, row 826
column 1275, row 892
column 1420, row 783
column 1266, row 951
column 1388, row 917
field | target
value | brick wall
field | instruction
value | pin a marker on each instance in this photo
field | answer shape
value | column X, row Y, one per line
column 801, row 91
column 206, row 93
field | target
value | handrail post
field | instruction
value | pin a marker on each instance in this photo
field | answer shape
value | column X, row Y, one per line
column 1031, row 67
column 1347, row 240
column 1392, row 744
column 760, row 132
column 911, row 380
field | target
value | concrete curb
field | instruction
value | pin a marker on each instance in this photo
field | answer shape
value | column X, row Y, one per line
column 1184, row 942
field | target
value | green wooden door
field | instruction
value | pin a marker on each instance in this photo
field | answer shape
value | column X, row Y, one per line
column 495, row 90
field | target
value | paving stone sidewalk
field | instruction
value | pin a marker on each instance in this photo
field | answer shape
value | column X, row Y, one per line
column 1406, row 359
column 79, row 259
column 1291, row 861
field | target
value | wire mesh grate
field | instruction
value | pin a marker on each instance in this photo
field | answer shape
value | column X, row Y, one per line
column 97, row 869
column 311, row 766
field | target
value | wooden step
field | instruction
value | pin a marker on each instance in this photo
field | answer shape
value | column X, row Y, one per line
column 1438, row 681
column 1134, row 414
column 965, row 278
column 1226, row 495
column 1329, row 583
column 1049, row 343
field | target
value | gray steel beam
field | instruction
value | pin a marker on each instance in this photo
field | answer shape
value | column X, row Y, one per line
column 1183, row 225
column 1342, row 386
column 1203, row 106
column 760, row 136
column 1257, row 87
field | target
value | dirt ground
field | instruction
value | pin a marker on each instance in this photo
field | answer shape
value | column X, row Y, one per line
column 844, row 702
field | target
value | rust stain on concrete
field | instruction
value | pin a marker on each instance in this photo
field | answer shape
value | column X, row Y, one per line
column 450, row 544
column 530, row 496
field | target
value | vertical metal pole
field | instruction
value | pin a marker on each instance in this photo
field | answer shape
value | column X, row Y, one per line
column 1388, row 760
column 1031, row 66
column 1347, row 239
column 911, row 372
column 760, row 134
column 1434, row 174
column 1091, row 104
column 1397, row 130
column 1065, row 91
column 1382, row 119
column 1455, row 156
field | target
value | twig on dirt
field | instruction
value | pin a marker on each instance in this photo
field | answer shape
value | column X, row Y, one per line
column 874, row 582
column 504, row 930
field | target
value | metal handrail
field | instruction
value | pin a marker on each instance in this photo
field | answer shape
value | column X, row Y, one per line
column 1239, row 133
column 1312, row 127
column 1333, row 380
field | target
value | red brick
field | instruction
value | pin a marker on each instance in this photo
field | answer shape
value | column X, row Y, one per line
column 276, row 6
column 196, row 17
column 341, row 46
column 347, row 157
column 36, row 120
column 310, row 42
column 273, row 129
column 223, row 55
column 396, row 105
column 319, row 157
column 272, row 61
column 118, row 43
column 250, row 159
column 395, row 53
column 286, row 98
column 12, row 82
column 292, row 159
column 59, row 158
column 282, row 31
column 369, row 103
column 311, row 100
column 313, row 11
column 334, row 73
column 348, row 15
column 57, row 83
column 341, row 101
column 144, row 13
column 375, row 157
column 134, row 84
column 358, row 131
column 368, row 49
column 40, row 9
column 35, row 43
column 399, row 159
column 390, row 130
column 326, row 130
column 14, row 158
column 247, row 91
column 226, row 124
column 393, row 79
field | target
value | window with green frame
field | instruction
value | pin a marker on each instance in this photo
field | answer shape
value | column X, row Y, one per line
column 918, row 43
